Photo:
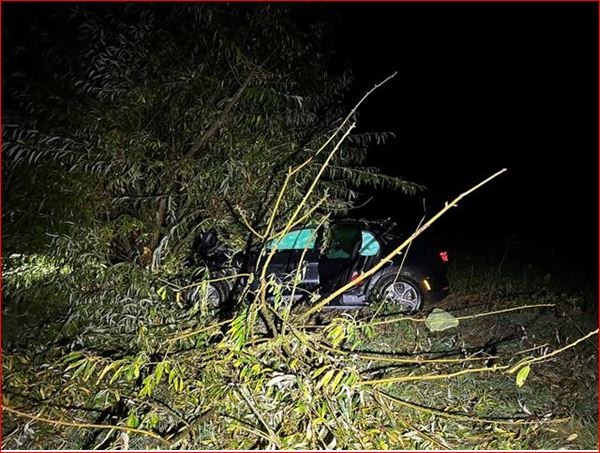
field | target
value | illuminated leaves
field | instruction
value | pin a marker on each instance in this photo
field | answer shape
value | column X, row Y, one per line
column 522, row 375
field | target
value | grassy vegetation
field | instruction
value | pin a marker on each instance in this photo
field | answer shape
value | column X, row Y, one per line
column 563, row 388
column 309, row 388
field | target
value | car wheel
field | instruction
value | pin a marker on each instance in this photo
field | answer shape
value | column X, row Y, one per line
column 400, row 292
column 215, row 295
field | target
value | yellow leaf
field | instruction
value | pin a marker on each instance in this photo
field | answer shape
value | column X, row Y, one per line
column 326, row 378
column 522, row 375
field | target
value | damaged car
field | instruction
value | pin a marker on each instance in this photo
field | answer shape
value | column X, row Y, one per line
column 320, row 259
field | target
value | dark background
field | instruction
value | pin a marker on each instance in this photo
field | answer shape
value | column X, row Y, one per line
column 481, row 87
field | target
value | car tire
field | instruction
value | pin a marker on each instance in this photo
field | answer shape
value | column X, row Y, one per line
column 216, row 294
column 398, row 291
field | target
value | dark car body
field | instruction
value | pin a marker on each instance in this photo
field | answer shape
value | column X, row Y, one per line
column 313, row 259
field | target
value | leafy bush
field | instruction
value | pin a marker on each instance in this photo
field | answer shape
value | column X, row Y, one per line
column 164, row 121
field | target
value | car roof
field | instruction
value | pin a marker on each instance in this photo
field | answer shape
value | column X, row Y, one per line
column 377, row 226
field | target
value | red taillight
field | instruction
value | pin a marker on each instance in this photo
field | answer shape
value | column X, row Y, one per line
column 444, row 256
column 354, row 276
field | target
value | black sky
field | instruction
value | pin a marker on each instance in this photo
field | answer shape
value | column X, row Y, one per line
column 481, row 87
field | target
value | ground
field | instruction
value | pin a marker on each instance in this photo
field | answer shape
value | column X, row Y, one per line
column 562, row 389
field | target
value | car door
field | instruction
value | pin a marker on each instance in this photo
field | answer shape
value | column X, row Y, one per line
column 340, row 255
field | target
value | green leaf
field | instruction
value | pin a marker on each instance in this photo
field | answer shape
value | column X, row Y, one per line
column 172, row 375
column 76, row 364
column 91, row 367
column 107, row 368
column 117, row 374
column 148, row 386
column 326, row 378
column 439, row 320
column 153, row 420
column 336, row 380
column 522, row 375
column 72, row 356
column 132, row 420
column 160, row 369
column 336, row 335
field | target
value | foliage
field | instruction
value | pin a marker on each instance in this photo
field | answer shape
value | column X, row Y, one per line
column 163, row 121
column 230, row 384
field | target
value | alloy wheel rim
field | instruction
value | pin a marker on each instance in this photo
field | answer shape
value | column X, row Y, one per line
column 404, row 295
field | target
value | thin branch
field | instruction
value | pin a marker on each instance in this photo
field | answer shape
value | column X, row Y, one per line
column 247, row 224
column 197, row 146
column 260, row 295
column 292, row 219
column 460, row 318
column 431, row 377
column 383, row 358
column 344, row 122
column 83, row 425
column 466, row 417
column 553, row 353
column 272, row 436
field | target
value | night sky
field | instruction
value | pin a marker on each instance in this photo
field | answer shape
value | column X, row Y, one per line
column 481, row 87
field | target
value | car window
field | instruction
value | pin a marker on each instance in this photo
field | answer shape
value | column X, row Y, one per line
column 370, row 245
column 295, row 240
column 344, row 241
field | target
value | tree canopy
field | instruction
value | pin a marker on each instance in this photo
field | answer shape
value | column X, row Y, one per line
column 127, row 130
column 159, row 121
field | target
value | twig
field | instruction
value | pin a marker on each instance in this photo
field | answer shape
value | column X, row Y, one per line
column 431, row 377
column 394, row 416
column 83, row 425
column 382, row 358
column 553, row 353
column 345, row 121
column 466, row 417
column 201, row 141
column 382, row 303
column 461, row 318
column 247, row 224
column 260, row 296
column 272, row 436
